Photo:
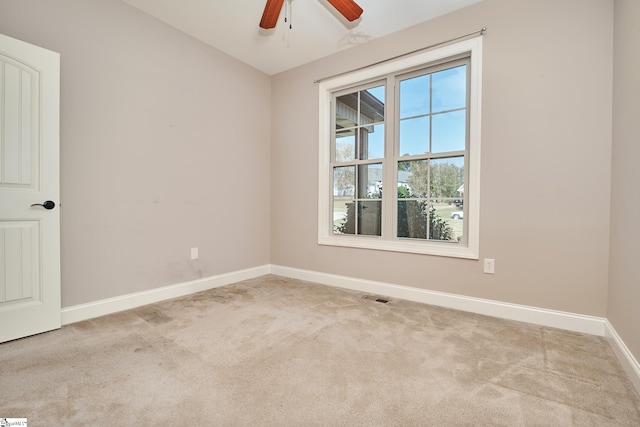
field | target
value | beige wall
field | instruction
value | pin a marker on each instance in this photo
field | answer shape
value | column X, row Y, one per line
column 546, row 156
column 624, row 277
column 164, row 146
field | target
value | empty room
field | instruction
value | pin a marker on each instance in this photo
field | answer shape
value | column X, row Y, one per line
column 196, row 224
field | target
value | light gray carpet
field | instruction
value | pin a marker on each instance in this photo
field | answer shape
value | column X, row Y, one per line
column 281, row 352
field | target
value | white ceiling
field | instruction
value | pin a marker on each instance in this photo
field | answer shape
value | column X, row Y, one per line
column 318, row 30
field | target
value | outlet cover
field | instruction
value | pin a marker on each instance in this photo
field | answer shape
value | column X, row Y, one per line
column 489, row 266
column 194, row 253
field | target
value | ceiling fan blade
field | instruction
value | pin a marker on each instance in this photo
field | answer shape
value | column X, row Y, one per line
column 348, row 8
column 271, row 13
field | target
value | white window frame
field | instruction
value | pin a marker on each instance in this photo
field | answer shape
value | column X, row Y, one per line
column 326, row 88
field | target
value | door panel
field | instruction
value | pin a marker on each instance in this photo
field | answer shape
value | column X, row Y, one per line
column 29, row 174
column 19, row 121
column 20, row 260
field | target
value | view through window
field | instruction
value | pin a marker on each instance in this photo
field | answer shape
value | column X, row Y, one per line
column 400, row 150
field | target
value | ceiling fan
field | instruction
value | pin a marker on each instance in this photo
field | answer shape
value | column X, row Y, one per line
column 348, row 8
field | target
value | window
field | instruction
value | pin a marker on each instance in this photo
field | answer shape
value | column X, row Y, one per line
column 400, row 154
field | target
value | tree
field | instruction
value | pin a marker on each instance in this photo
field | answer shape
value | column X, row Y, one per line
column 419, row 179
column 344, row 179
column 433, row 178
column 446, row 178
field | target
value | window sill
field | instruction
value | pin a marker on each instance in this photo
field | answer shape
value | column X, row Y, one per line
column 452, row 250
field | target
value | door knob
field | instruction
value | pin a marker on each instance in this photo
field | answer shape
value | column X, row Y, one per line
column 47, row 205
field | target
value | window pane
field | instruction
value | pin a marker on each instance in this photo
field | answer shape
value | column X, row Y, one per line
column 413, row 179
column 412, row 219
column 414, row 136
column 345, row 149
column 344, row 181
column 377, row 92
column 370, row 181
column 450, row 89
column 449, row 131
column 419, row 220
column 370, row 217
column 372, row 105
column 372, row 142
column 347, row 110
column 414, row 97
column 344, row 215
column 447, row 177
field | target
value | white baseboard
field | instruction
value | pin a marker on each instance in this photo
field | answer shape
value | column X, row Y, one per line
column 556, row 319
column 628, row 362
column 90, row 310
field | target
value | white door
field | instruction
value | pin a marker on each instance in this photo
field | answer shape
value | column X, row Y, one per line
column 29, row 174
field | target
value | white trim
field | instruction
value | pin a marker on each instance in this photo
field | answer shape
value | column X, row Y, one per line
column 628, row 362
column 539, row 316
column 325, row 90
column 103, row 307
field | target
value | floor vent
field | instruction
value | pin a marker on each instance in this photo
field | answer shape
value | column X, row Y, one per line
column 376, row 299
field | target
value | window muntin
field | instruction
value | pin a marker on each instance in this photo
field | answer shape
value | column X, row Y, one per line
column 358, row 146
column 438, row 152
column 433, row 142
